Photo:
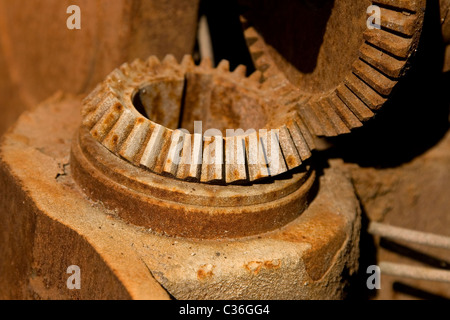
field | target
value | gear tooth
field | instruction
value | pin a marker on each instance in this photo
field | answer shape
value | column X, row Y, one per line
column 90, row 102
column 398, row 22
column 235, row 166
column 354, row 103
column 290, row 152
column 304, row 131
column 153, row 63
column 299, row 140
column 191, row 158
column 137, row 63
column 154, row 147
column 196, row 159
column 117, row 79
column 212, row 167
column 311, row 120
column 138, row 68
column 174, row 154
column 206, row 63
column 275, row 158
column 120, row 131
column 344, row 112
column 148, row 158
column 324, row 120
column 375, row 79
column 163, row 151
column 333, row 117
column 240, row 71
column 224, row 66
column 256, row 76
column 135, row 141
column 397, row 46
column 387, row 64
column 107, row 121
column 365, row 93
column 169, row 60
column 105, row 102
column 188, row 62
column 257, row 167
column 185, row 157
column 251, row 33
column 125, row 69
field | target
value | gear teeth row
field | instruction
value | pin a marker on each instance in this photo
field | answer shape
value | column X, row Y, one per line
column 383, row 59
column 109, row 114
column 374, row 78
column 354, row 104
column 401, row 23
column 383, row 62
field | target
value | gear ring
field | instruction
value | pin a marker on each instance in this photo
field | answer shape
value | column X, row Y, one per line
column 110, row 114
column 383, row 58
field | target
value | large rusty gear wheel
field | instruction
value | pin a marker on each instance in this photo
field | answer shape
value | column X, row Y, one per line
column 169, row 91
column 377, row 64
column 131, row 143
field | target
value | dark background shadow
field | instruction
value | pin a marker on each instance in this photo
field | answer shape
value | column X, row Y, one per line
column 295, row 29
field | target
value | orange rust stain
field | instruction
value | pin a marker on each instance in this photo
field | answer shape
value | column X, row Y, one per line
column 205, row 272
column 140, row 120
column 291, row 161
column 258, row 176
column 109, row 120
column 272, row 264
column 256, row 266
column 118, row 107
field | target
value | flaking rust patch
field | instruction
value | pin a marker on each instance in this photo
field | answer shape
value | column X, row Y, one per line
column 205, row 272
column 256, row 266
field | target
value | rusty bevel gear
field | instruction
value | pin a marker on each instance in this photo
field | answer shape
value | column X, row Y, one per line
column 167, row 89
column 129, row 139
column 382, row 60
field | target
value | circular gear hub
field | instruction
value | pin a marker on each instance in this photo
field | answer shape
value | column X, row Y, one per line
column 130, row 155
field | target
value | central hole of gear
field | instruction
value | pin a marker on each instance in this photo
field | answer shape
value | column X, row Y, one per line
column 217, row 101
